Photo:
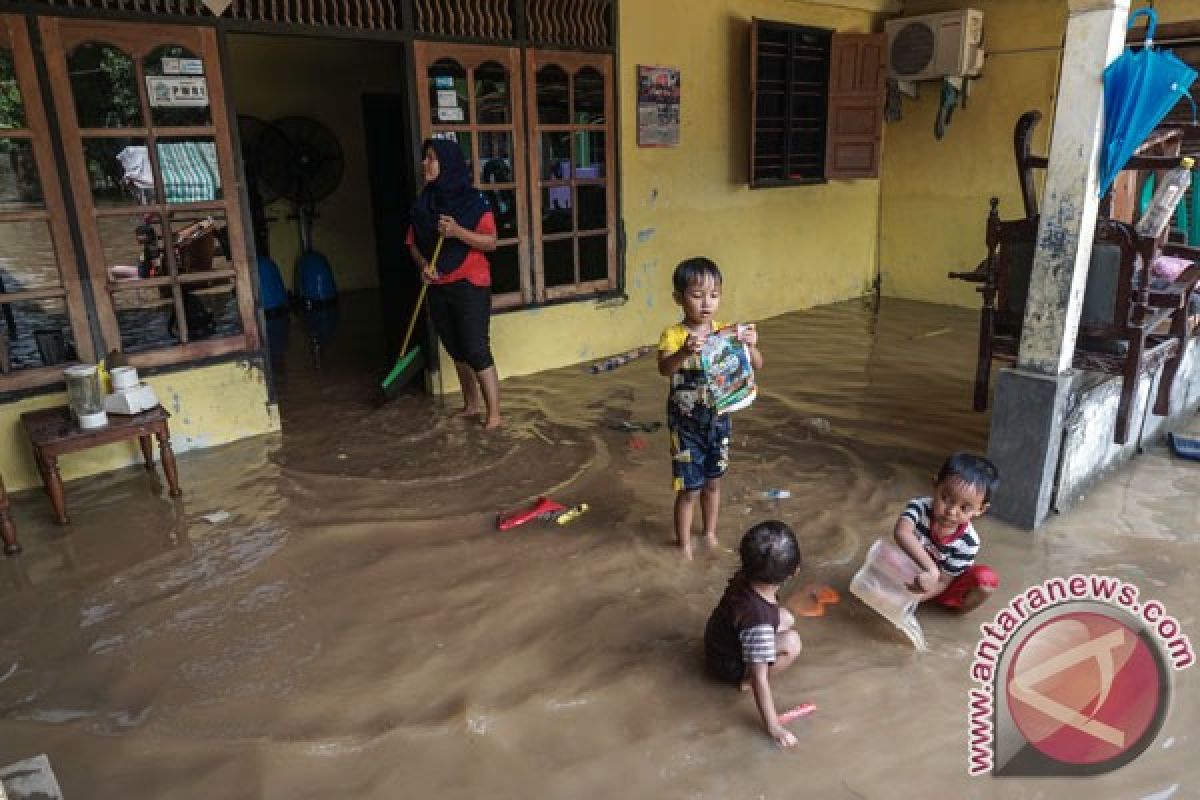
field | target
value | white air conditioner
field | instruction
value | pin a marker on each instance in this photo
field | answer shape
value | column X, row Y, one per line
column 935, row 45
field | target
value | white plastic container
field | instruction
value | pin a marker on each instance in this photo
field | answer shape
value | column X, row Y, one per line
column 1166, row 197
column 123, row 378
column 883, row 583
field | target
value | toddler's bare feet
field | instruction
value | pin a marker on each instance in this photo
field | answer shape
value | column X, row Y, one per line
column 687, row 551
column 710, row 539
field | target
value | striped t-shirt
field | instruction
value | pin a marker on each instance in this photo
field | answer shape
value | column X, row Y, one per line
column 955, row 554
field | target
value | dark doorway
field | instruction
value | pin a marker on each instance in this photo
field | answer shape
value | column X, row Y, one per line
column 390, row 172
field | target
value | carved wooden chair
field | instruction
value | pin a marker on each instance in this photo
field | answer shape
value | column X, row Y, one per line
column 1126, row 327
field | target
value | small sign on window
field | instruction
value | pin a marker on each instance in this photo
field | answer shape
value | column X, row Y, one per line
column 182, row 66
column 172, row 92
column 450, row 115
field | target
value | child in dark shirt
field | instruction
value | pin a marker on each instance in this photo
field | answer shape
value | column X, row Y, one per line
column 749, row 637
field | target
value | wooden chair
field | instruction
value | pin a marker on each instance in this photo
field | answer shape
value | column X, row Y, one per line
column 1126, row 327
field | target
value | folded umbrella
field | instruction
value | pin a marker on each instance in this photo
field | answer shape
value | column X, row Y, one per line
column 1140, row 88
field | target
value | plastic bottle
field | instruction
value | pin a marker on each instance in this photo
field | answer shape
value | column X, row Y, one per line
column 777, row 494
column 1166, row 197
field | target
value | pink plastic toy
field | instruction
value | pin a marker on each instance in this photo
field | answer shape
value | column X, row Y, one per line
column 793, row 714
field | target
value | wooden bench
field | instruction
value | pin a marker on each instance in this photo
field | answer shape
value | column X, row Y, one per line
column 53, row 433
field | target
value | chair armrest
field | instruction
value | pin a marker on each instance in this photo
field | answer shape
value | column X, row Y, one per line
column 1172, row 296
column 977, row 275
column 1182, row 251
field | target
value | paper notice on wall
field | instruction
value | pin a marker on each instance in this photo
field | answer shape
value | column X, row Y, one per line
column 447, row 98
column 177, row 92
column 443, row 82
column 450, row 115
column 449, row 136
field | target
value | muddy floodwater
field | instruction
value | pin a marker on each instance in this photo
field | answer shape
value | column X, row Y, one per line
column 355, row 627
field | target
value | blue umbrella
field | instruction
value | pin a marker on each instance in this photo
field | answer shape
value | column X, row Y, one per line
column 1140, row 88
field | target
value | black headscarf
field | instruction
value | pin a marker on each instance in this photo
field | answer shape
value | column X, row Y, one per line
column 450, row 193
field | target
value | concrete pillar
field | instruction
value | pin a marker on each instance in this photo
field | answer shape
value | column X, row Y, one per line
column 1030, row 400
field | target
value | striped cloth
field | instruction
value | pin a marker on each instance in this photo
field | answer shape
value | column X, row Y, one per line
column 190, row 171
column 953, row 555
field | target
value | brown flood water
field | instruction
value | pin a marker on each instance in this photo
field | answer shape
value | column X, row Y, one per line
column 358, row 629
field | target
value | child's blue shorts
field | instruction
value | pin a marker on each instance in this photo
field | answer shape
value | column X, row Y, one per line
column 699, row 453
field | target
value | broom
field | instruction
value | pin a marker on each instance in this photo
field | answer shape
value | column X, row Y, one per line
column 409, row 364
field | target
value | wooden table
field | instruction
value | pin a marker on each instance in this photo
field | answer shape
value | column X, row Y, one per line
column 8, row 531
column 53, row 433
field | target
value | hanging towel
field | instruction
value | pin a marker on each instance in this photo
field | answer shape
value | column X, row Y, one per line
column 950, row 95
column 189, row 170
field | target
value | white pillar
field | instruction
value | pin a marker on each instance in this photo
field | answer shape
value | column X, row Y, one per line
column 1095, row 36
column 1031, row 400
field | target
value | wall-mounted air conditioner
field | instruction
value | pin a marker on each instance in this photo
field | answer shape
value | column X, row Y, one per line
column 935, row 45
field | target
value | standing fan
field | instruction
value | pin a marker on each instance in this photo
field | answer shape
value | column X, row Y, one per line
column 307, row 171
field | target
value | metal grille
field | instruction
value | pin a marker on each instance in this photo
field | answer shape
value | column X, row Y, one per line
column 570, row 23
column 367, row 15
column 473, row 19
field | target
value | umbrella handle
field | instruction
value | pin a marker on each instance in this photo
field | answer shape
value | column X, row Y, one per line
column 1151, row 23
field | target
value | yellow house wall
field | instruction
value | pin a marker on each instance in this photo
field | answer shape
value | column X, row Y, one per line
column 780, row 249
column 276, row 76
column 935, row 194
column 209, row 406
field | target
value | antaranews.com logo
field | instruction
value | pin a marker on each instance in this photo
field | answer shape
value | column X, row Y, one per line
column 1074, row 678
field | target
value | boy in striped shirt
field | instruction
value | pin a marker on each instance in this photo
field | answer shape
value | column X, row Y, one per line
column 937, row 533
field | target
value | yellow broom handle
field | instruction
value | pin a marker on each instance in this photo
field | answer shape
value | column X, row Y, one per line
column 412, row 323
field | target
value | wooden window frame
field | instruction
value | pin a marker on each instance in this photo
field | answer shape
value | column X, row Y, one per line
column 572, row 63
column 60, row 37
column 851, row 93
column 470, row 58
column 14, row 36
column 784, row 126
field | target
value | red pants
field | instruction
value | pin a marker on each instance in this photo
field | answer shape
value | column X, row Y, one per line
column 978, row 576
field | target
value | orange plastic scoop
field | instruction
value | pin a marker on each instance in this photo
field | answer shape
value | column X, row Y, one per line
column 810, row 601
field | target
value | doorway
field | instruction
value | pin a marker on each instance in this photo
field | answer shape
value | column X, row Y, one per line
column 345, row 100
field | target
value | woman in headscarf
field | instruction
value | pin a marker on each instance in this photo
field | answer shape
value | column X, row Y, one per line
column 451, row 209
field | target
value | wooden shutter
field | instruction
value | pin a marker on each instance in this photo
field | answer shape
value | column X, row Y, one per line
column 857, row 81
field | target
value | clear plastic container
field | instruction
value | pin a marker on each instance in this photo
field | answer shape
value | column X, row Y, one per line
column 1166, row 197
column 883, row 583
column 85, row 396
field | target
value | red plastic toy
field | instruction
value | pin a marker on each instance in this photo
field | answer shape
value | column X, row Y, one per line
column 542, row 508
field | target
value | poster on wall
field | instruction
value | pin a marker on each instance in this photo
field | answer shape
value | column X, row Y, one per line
column 658, row 106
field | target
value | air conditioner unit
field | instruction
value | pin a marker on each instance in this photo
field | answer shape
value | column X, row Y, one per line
column 935, row 45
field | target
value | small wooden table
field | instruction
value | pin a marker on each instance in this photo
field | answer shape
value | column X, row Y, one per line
column 8, row 531
column 53, row 432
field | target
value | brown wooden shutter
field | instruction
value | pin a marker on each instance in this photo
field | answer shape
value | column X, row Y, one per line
column 857, row 81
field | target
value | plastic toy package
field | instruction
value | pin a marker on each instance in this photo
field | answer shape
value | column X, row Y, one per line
column 726, row 361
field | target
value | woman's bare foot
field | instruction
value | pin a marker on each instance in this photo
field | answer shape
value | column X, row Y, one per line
column 493, row 423
column 710, row 539
column 469, row 411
